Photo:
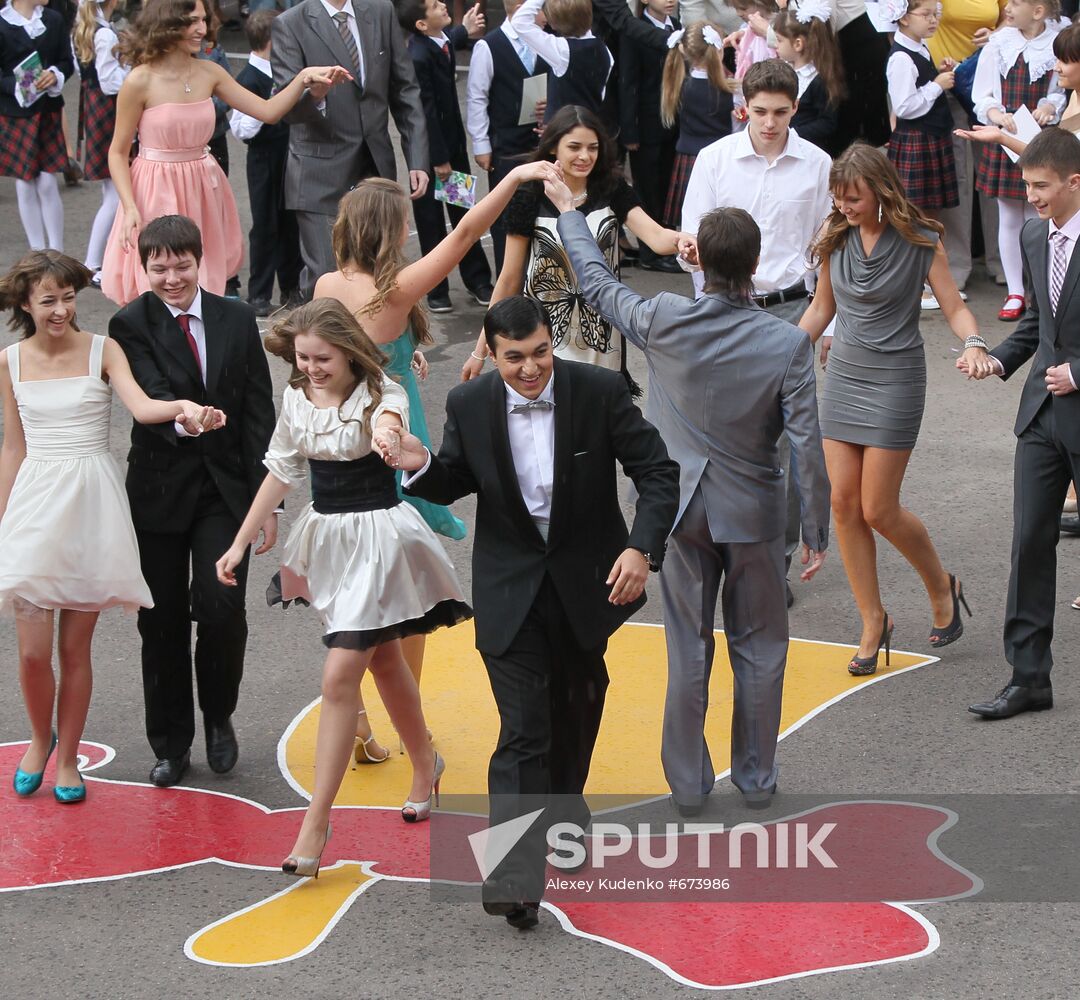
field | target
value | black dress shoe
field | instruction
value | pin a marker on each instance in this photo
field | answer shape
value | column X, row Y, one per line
column 169, row 770
column 439, row 304
column 790, row 595
column 571, row 861
column 524, row 917
column 688, row 808
column 1012, row 700
column 481, row 295
column 759, row 800
column 1070, row 524
column 667, row 265
column 262, row 307
column 221, row 749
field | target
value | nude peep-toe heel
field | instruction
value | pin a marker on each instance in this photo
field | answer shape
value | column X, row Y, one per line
column 301, row 867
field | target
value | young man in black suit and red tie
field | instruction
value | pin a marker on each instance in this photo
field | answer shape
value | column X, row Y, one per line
column 431, row 43
column 189, row 494
column 1048, row 420
column 555, row 571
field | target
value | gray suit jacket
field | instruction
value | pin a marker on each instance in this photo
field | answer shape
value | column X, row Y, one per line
column 1051, row 339
column 725, row 379
column 325, row 148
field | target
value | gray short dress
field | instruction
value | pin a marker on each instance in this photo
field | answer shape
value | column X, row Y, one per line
column 875, row 379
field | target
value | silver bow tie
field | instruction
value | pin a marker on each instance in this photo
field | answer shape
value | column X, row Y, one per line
column 533, row 404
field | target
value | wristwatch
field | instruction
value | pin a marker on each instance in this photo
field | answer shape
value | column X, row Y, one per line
column 654, row 566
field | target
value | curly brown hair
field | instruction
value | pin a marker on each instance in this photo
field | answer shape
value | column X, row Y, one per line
column 18, row 284
column 861, row 162
column 367, row 236
column 159, row 26
column 329, row 320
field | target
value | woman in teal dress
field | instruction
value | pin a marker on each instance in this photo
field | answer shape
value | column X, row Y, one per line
column 376, row 284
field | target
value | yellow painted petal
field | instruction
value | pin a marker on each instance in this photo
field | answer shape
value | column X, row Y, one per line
column 285, row 926
column 461, row 713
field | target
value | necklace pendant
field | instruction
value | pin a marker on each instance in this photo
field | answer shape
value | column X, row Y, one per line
column 187, row 88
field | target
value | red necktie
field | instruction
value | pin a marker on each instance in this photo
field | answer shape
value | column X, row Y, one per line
column 446, row 50
column 184, row 319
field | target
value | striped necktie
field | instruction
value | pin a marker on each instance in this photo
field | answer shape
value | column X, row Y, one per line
column 342, row 19
column 1058, row 266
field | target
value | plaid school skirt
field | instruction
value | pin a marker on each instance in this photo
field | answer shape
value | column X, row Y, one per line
column 927, row 168
column 98, row 117
column 676, row 193
column 32, row 145
column 995, row 174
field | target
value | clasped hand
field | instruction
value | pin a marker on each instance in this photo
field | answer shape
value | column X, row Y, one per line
column 195, row 419
column 319, row 79
column 976, row 364
column 399, row 449
column 1058, row 381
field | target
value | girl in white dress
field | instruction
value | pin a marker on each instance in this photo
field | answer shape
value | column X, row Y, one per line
column 66, row 540
column 367, row 563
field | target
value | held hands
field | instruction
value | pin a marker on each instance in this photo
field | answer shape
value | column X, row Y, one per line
column 559, row 194
column 473, row 21
column 538, row 170
column 399, row 450
column 686, row 247
column 420, row 365
column 227, row 564
column 813, row 561
column 627, row 577
column 319, row 79
column 195, row 419
column 976, row 364
column 1058, row 381
column 418, row 184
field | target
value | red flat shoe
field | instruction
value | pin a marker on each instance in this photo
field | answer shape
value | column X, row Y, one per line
column 1011, row 315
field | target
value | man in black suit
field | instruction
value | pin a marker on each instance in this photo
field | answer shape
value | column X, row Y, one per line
column 431, row 44
column 1048, row 421
column 555, row 571
column 189, row 495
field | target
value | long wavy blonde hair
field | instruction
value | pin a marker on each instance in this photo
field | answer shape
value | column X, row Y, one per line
column 367, row 236
column 86, row 27
column 329, row 320
column 861, row 162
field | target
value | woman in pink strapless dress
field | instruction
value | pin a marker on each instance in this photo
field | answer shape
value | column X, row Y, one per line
column 166, row 100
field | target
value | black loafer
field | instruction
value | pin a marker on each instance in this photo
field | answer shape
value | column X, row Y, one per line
column 1070, row 524
column 221, row 749
column 262, row 307
column 169, row 770
column 667, row 265
column 571, row 861
column 759, row 800
column 481, row 295
column 440, row 304
column 524, row 917
column 688, row 808
column 1012, row 700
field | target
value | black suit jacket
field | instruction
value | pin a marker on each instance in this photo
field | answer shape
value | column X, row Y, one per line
column 816, row 120
column 166, row 472
column 596, row 425
column 641, row 72
column 54, row 47
column 438, row 93
column 1051, row 339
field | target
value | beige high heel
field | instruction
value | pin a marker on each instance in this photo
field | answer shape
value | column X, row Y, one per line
column 362, row 755
column 301, row 867
column 421, row 811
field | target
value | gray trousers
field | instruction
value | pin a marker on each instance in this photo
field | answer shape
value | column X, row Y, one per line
column 316, row 248
column 792, row 312
column 756, row 629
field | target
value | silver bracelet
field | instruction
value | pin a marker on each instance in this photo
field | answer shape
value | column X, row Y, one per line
column 975, row 341
column 473, row 354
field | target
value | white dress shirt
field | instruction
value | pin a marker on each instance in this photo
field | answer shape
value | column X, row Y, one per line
column 34, row 25
column 907, row 100
column 244, row 126
column 666, row 23
column 1006, row 45
column 788, row 198
column 553, row 49
column 110, row 72
column 807, row 74
column 354, row 29
column 532, row 448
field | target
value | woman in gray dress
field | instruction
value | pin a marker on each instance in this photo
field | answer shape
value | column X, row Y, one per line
column 875, row 251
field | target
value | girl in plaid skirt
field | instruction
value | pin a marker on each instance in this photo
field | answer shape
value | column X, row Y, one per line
column 31, row 115
column 95, row 45
column 1016, row 69
column 701, row 101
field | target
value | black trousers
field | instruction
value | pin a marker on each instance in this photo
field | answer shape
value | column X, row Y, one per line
column 430, row 218
column 550, row 694
column 651, row 165
column 179, row 569
column 274, row 239
column 1042, row 470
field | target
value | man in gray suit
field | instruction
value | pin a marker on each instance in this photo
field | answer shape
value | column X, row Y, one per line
column 726, row 379
column 340, row 137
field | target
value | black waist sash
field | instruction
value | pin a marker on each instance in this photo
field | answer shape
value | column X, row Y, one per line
column 347, row 487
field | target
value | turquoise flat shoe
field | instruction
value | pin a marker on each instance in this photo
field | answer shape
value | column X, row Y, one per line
column 25, row 783
column 67, row 794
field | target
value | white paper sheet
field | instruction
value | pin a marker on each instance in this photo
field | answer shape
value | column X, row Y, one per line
column 1026, row 129
column 533, row 89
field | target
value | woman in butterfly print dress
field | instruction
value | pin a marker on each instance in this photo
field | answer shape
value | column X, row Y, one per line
column 535, row 261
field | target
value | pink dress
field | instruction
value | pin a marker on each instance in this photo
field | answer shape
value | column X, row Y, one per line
column 174, row 174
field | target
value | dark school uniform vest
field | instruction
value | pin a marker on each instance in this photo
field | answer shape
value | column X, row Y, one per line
column 936, row 121
column 584, row 79
column 508, row 138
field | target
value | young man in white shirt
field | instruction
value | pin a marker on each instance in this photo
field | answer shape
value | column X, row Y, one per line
column 783, row 182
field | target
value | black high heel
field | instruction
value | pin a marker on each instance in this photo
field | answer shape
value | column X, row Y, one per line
column 863, row 666
column 944, row 636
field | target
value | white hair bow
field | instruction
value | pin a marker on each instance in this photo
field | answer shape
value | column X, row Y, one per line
column 811, row 10
column 712, row 36
column 675, row 37
column 894, row 9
